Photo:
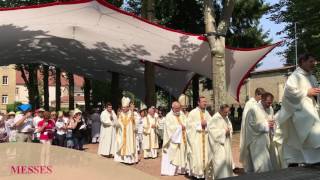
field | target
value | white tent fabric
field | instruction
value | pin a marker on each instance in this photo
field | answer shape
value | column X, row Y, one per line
column 93, row 38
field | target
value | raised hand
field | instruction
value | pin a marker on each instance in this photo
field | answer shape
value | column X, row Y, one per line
column 313, row 91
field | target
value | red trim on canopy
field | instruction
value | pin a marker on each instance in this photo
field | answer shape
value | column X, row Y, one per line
column 252, row 49
column 252, row 67
column 45, row 5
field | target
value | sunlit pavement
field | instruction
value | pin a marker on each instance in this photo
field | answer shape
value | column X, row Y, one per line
column 152, row 166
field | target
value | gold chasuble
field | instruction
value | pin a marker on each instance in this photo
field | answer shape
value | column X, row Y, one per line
column 126, row 150
column 198, row 142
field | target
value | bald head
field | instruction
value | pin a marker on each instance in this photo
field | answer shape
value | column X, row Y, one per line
column 176, row 107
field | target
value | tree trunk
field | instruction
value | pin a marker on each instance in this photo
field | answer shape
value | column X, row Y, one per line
column 58, row 89
column 148, row 8
column 31, row 90
column 71, row 91
column 195, row 90
column 87, row 94
column 216, row 38
column 31, row 83
column 149, row 80
column 115, row 90
column 46, row 87
column 218, row 75
column 33, row 80
column 28, row 80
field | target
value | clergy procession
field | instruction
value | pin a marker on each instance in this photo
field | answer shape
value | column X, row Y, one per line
column 176, row 90
column 199, row 145
column 193, row 144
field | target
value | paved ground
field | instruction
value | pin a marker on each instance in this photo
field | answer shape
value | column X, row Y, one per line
column 152, row 166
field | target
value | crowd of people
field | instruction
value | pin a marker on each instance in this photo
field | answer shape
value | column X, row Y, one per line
column 66, row 129
column 191, row 143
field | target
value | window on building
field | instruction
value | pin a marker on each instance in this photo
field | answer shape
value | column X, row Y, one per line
column 4, row 80
column 17, row 91
column 4, row 99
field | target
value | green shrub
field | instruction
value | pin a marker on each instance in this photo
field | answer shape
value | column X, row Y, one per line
column 13, row 107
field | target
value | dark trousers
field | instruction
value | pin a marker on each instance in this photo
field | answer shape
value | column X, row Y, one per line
column 78, row 142
column 60, row 140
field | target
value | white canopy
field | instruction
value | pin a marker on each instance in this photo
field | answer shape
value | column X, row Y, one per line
column 94, row 38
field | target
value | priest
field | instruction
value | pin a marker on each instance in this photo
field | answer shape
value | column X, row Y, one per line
column 220, row 152
column 150, row 138
column 298, row 119
column 259, row 136
column 174, row 151
column 197, row 136
column 126, row 151
column 248, row 106
column 107, row 132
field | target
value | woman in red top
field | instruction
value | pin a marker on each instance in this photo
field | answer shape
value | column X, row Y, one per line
column 46, row 128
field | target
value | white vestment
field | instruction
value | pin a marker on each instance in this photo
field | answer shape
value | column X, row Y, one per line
column 220, row 146
column 298, row 119
column 107, row 133
column 126, row 150
column 197, row 142
column 244, row 152
column 258, row 142
column 150, row 139
column 174, row 151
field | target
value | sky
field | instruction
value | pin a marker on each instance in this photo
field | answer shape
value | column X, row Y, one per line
column 272, row 60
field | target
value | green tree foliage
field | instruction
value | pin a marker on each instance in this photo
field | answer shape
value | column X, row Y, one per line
column 182, row 15
column 244, row 28
column 18, row 3
column 13, row 107
column 117, row 3
column 306, row 14
column 133, row 6
column 187, row 16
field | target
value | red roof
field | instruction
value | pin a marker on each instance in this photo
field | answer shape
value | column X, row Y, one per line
column 78, row 80
column 65, row 99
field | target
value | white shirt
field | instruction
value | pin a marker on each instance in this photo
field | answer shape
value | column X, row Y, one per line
column 36, row 120
column 9, row 125
column 59, row 124
column 27, row 125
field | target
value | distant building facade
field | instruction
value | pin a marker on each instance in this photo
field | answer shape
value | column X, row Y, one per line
column 7, row 86
column 272, row 80
column 13, row 88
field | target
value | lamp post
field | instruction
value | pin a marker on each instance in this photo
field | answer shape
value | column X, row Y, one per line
column 296, row 43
